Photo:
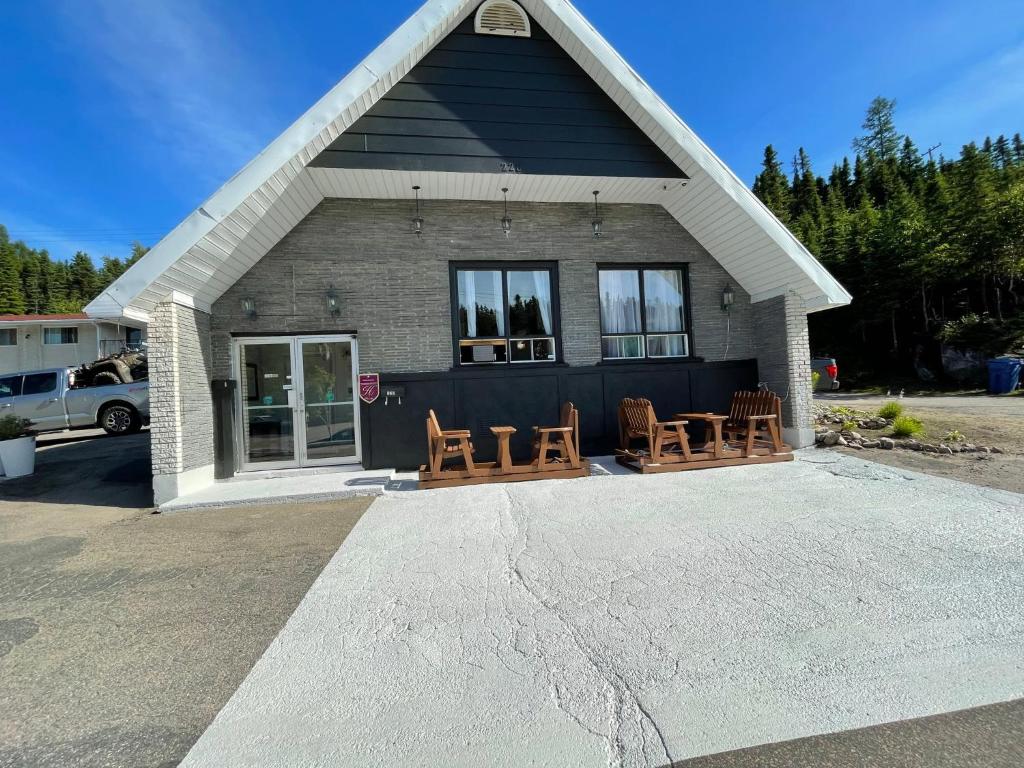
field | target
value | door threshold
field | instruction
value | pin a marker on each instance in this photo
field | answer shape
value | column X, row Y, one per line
column 266, row 474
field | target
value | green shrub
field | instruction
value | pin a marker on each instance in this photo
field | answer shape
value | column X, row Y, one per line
column 955, row 436
column 11, row 427
column 815, row 378
column 906, row 426
column 849, row 426
column 890, row 410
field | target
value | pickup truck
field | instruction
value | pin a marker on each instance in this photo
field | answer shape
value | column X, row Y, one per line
column 50, row 400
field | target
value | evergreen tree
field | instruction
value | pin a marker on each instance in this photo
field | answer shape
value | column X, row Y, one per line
column 12, row 302
column 807, row 211
column 772, row 187
column 881, row 138
column 83, row 285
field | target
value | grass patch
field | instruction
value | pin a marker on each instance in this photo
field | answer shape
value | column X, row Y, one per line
column 906, row 426
column 890, row 410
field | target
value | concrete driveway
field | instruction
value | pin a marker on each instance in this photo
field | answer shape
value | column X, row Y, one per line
column 635, row 621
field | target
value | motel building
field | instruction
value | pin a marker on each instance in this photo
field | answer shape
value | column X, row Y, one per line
column 491, row 215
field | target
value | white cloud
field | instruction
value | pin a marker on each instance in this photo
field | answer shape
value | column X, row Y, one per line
column 182, row 79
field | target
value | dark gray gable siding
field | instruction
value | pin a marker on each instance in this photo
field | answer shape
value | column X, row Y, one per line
column 489, row 104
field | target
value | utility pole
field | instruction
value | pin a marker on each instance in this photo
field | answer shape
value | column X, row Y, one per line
column 932, row 149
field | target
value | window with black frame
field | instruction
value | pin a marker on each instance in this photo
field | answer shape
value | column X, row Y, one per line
column 643, row 312
column 505, row 313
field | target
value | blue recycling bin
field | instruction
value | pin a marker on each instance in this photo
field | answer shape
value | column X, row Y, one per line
column 1003, row 375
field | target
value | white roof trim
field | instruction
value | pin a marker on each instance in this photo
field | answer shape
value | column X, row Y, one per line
column 226, row 235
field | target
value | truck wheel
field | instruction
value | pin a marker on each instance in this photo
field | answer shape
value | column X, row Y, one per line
column 120, row 419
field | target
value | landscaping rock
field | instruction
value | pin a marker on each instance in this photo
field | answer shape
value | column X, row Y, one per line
column 886, row 443
column 858, row 446
column 870, row 444
column 996, row 450
column 841, row 441
column 856, row 435
column 970, row 447
column 830, row 438
column 945, row 450
column 930, row 448
column 984, row 449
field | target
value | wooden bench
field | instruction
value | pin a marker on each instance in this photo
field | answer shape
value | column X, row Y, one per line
column 555, row 455
column 669, row 448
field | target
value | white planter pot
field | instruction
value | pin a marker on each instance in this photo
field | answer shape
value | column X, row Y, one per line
column 18, row 457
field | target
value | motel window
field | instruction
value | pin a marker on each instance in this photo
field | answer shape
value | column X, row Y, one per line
column 505, row 313
column 60, row 335
column 643, row 312
column 8, row 337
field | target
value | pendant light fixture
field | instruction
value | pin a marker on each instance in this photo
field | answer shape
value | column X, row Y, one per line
column 417, row 222
column 506, row 220
column 597, row 223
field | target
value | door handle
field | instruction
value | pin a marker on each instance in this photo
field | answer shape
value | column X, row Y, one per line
column 53, row 400
column 5, row 405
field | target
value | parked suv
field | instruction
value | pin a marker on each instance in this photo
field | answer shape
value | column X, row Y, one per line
column 828, row 370
column 50, row 400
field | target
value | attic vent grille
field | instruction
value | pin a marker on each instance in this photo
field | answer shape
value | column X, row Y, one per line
column 502, row 17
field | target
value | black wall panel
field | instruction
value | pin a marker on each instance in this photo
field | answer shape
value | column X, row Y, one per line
column 489, row 104
column 395, row 435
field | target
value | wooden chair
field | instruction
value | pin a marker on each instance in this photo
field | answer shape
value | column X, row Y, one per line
column 565, row 438
column 667, row 441
column 754, row 420
column 446, row 444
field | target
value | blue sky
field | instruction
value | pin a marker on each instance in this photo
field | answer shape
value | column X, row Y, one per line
column 119, row 117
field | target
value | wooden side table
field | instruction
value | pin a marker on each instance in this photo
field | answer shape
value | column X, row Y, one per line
column 715, row 422
column 504, row 454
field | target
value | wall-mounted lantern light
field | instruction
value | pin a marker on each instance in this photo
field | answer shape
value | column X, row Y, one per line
column 597, row 223
column 728, row 297
column 249, row 308
column 417, row 222
column 333, row 304
column 506, row 220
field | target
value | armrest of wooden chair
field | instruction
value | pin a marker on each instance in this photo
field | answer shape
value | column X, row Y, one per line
column 671, row 423
column 564, row 430
column 455, row 433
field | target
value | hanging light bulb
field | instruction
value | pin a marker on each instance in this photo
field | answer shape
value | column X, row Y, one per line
column 597, row 223
column 417, row 222
column 506, row 220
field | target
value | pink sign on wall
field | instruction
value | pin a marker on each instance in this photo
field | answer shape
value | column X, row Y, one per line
column 369, row 387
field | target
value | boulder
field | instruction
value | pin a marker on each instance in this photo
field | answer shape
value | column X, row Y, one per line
column 886, row 443
column 830, row 438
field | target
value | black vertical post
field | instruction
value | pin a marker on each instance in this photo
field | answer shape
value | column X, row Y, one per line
column 223, row 427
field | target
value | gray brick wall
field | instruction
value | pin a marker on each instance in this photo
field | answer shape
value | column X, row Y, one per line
column 784, row 356
column 181, row 367
column 394, row 287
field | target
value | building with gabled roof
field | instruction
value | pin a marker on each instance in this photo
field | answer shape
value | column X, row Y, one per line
column 492, row 213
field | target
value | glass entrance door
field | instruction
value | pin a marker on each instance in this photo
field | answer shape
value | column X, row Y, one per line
column 328, row 402
column 267, row 393
column 297, row 401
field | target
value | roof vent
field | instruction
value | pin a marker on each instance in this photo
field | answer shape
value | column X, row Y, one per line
column 502, row 17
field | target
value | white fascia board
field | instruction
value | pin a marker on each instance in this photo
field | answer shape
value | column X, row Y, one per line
column 296, row 138
column 696, row 149
column 187, row 300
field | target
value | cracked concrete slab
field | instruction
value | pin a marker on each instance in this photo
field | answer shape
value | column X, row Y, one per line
column 636, row 621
